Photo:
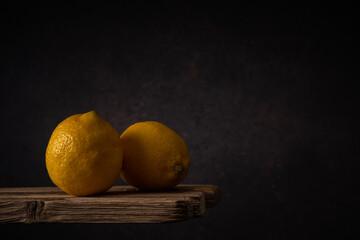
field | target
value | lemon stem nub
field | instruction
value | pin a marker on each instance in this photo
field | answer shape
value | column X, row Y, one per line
column 178, row 169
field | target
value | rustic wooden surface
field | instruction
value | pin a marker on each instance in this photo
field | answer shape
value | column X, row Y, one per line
column 120, row 204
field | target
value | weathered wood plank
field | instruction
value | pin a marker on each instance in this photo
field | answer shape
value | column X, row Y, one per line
column 120, row 204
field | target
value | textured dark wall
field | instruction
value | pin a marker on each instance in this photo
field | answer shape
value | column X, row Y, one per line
column 263, row 97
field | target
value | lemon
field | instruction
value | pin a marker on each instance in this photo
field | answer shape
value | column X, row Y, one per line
column 84, row 155
column 155, row 157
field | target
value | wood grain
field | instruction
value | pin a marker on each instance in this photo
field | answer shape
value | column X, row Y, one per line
column 120, row 204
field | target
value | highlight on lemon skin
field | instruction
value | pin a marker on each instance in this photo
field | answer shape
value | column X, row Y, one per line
column 155, row 157
column 84, row 155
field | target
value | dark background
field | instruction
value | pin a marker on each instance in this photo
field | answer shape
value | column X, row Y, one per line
column 262, row 95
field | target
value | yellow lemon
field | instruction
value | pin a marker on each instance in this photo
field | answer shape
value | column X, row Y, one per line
column 84, row 155
column 155, row 157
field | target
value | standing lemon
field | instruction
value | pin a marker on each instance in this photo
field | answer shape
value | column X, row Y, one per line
column 84, row 155
column 155, row 157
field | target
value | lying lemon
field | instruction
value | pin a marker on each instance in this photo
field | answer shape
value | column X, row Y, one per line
column 155, row 157
column 84, row 155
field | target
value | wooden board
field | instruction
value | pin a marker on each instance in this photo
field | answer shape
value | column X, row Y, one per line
column 120, row 204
